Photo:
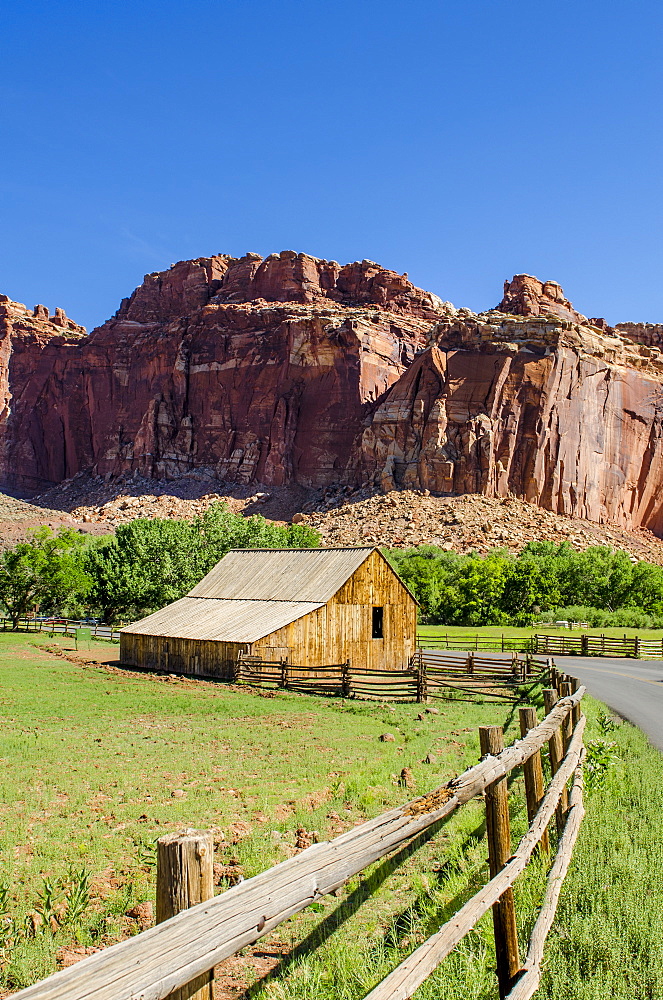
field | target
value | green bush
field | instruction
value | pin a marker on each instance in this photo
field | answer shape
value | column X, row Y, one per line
column 600, row 618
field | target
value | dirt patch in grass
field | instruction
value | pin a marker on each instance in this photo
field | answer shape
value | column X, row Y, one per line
column 234, row 977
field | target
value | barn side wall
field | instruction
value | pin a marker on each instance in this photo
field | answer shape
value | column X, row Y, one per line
column 342, row 629
column 204, row 658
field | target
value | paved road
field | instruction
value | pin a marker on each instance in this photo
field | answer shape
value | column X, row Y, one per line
column 632, row 688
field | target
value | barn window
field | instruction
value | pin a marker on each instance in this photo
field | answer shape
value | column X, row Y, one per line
column 378, row 622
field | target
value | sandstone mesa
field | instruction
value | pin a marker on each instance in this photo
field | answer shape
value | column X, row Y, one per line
column 293, row 370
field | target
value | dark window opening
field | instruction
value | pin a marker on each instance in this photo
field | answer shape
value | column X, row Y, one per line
column 378, row 623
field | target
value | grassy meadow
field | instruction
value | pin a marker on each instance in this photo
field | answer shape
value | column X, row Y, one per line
column 98, row 763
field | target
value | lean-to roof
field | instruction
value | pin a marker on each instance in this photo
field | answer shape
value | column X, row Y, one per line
column 221, row 620
column 281, row 574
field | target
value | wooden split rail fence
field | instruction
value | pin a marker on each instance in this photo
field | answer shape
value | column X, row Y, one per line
column 180, row 952
column 431, row 675
column 569, row 644
column 599, row 645
column 72, row 629
column 492, row 678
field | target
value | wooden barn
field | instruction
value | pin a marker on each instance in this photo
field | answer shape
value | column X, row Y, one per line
column 309, row 606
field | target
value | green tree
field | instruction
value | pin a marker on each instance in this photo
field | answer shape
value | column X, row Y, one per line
column 534, row 584
column 151, row 563
column 599, row 577
column 482, row 587
column 432, row 574
column 647, row 587
column 47, row 570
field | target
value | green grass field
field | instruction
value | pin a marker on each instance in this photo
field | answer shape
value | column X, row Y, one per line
column 92, row 756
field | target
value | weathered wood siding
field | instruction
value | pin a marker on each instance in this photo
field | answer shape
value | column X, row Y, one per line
column 205, row 658
column 339, row 631
column 342, row 629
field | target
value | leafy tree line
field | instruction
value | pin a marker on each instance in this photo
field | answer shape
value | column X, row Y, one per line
column 502, row 589
column 150, row 563
column 144, row 566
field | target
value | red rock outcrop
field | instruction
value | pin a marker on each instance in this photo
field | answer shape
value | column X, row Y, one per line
column 525, row 295
column 553, row 412
column 261, row 369
column 290, row 369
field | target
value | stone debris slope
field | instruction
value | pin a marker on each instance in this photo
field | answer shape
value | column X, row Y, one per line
column 18, row 518
column 470, row 523
column 342, row 515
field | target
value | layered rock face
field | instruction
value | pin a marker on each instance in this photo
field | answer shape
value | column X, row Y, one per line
column 290, row 369
column 260, row 369
column 561, row 413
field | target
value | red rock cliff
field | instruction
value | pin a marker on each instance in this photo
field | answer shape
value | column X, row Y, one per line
column 556, row 412
column 261, row 369
column 290, row 368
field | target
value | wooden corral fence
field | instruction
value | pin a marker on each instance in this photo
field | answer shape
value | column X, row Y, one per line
column 431, row 675
column 180, row 952
column 516, row 642
column 63, row 626
column 472, row 675
column 563, row 645
column 599, row 645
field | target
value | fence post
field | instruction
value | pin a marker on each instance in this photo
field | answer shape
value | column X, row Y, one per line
column 575, row 684
column 491, row 739
column 533, row 771
column 584, row 645
column 636, row 646
column 470, row 663
column 422, row 680
column 556, row 748
column 567, row 726
column 284, row 673
column 345, row 679
column 185, row 877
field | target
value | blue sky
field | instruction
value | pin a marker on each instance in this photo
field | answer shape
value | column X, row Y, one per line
column 461, row 142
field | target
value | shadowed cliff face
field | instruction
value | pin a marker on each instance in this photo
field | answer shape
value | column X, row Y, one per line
column 294, row 369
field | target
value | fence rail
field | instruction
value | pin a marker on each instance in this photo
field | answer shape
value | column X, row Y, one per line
column 493, row 678
column 62, row 626
column 178, row 951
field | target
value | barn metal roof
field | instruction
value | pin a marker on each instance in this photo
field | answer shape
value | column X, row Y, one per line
column 222, row 620
column 281, row 574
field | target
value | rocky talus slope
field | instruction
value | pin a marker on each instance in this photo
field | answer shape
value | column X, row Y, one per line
column 290, row 371
column 343, row 516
